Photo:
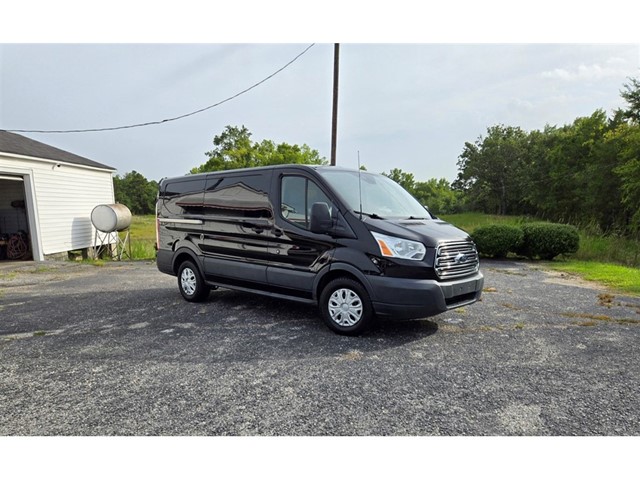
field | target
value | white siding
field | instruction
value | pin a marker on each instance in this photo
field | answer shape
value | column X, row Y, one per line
column 65, row 197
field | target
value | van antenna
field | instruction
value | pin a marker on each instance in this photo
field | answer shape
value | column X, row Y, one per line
column 360, row 184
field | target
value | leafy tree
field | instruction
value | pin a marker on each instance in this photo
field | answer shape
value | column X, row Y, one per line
column 631, row 94
column 580, row 185
column 569, row 163
column 233, row 148
column 561, row 174
column 404, row 179
column 627, row 137
column 534, row 187
column 491, row 169
column 438, row 196
column 136, row 192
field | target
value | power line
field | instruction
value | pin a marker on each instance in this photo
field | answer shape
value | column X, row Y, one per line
column 166, row 120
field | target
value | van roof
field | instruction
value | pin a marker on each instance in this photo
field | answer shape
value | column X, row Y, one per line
column 259, row 169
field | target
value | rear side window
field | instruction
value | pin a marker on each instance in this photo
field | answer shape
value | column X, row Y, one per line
column 298, row 194
column 245, row 196
column 181, row 187
column 183, row 197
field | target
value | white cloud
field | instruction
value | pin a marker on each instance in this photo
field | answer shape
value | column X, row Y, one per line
column 589, row 72
column 520, row 104
column 617, row 61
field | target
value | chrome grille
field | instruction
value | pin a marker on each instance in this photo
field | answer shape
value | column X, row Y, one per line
column 456, row 259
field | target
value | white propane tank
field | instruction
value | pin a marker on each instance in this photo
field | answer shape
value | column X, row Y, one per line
column 111, row 218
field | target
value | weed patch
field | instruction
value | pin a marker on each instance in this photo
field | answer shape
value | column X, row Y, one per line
column 603, row 318
column 507, row 271
column 605, row 299
column 627, row 321
column 511, row 307
column 42, row 269
column 593, row 319
column 96, row 262
column 589, row 323
column 352, row 355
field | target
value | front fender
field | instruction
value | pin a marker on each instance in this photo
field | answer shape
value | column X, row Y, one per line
column 333, row 271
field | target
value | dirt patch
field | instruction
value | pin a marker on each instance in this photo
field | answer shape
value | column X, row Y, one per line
column 21, row 274
column 561, row 278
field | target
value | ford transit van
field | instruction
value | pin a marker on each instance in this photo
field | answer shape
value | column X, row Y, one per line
column 352, row 242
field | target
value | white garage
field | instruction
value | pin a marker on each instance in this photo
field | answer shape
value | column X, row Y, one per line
column 46, row 198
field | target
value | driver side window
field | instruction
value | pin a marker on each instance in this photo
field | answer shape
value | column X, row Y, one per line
column 298, row 194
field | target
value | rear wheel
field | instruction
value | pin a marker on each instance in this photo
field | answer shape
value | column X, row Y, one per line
column 346, row 307
column 191, row 283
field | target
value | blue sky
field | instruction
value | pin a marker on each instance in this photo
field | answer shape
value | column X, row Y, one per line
column 410, row 105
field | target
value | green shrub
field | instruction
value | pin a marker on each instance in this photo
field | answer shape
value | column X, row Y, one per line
column 548, row 240
column 497, row 240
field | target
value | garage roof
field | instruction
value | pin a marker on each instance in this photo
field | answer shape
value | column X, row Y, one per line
column 19, row 145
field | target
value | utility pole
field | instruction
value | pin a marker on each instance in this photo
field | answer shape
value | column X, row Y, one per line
column 334, row 123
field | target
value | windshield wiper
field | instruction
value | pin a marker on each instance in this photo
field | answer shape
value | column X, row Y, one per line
column 375, row 216
column 411, row 217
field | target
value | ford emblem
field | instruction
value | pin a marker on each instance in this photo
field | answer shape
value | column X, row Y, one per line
column 460, row 258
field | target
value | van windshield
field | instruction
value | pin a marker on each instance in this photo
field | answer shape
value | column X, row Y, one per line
column 381, row 196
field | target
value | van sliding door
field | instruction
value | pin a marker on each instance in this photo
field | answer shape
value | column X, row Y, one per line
column 238, row 228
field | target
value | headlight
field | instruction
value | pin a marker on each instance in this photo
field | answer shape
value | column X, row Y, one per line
column 399, row 247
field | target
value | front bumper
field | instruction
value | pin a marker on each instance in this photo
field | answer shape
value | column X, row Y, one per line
column 404, row 298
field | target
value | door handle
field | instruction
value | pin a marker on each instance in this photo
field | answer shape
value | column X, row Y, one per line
column 257, row 227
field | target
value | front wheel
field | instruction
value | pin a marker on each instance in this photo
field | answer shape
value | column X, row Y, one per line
column 346, row 307
column 191, row 284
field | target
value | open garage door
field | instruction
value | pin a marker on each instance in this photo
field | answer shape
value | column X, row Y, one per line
column 15, row 238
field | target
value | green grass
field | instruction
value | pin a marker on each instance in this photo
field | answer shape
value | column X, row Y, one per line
column 143, row 227
column 619, row 277
column 609, row 249
column 143, row 237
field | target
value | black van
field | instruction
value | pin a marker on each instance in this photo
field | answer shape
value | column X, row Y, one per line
column 354, row 243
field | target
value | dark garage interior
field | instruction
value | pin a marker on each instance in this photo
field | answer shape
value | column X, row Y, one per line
column 14, row 222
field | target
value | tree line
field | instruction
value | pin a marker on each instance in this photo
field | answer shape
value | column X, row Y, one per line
column 584, row 173
column 136, row 192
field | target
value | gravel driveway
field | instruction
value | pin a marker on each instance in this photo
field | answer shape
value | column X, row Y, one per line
column 114, row 350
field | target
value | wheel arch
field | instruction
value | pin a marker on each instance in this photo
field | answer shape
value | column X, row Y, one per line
column 183, row 254
column 339, row 270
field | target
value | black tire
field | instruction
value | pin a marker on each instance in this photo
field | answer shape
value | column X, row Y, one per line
column 191, row 283
column 346, row 307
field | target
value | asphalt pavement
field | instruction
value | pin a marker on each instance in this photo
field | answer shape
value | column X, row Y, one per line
column 114, row 350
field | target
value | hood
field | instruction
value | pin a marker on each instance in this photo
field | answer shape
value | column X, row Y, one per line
column 430, row 232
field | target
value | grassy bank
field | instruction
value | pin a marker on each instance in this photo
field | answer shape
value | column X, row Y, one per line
column 625, row 279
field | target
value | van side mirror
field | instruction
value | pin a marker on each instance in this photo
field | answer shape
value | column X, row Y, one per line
column 320, row 221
